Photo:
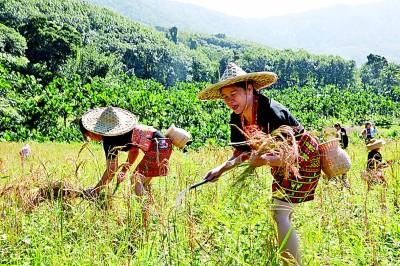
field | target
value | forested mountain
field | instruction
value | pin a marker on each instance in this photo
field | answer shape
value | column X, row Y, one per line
column 60, row 58
column 107, row 43
column 349, row 31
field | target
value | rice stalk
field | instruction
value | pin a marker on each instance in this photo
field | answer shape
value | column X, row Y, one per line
column 29, row 196
column 281, row 143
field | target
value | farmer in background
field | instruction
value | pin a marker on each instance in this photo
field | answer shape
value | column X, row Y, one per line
column 369, row 132
column 119, row 130
column 252, row 111
column 375, row 163
column 25, row 152
column 344, row 142
column 342, row 135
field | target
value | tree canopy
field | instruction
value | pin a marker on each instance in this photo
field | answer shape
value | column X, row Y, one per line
column 59, row 58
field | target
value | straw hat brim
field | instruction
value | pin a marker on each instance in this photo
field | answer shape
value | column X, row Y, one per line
column 376, row 144
column 260, row 80
column 126, row 121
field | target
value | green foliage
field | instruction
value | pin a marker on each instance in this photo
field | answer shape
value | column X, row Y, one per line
column 12, row 49
column 381, row 76
column 313, row 106
column 78, row 52
column 21, row 98
column 147, row 53
column 49, row 43
column 90, row 63
column 11, row 42
column 19, row 64
column 300, row 68
column 48, row 112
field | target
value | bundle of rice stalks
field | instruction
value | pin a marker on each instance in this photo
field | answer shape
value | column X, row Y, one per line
column 375, row 176
column 28, row 197
column 280, row 146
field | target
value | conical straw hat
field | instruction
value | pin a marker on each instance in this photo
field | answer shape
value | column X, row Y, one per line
column 109, row 121
column 178, row 136
column 375, row 144
column 234, row 74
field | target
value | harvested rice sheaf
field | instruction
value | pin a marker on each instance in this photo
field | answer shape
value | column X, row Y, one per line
column 280, row 143
column 28, row 196
column 375, row 176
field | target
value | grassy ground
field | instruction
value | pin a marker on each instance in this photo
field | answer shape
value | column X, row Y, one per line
column 218, row 224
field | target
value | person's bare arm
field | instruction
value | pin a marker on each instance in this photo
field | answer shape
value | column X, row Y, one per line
column 112, row 165
column 215, row 173
column 274, row 160
column 132, row 156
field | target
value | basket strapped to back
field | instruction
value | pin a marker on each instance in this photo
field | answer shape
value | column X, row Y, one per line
column 334, row 160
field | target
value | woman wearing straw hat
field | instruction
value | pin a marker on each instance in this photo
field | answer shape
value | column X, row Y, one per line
column 119, row 131
column 240, row 92
column 375, row 164
column 374, row 156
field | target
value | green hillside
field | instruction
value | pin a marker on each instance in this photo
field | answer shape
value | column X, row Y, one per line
column 133, row 48
column 351, row 31
column 59, row 58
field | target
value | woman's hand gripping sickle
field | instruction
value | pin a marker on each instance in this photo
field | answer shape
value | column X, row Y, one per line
column 215, row 173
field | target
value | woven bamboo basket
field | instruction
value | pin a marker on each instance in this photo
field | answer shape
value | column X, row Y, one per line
column 334, row 160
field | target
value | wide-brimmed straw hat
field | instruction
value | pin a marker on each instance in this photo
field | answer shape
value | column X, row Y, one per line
column 234, row 74
column 179, row 136
column 375, row 144
column 109, row 121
